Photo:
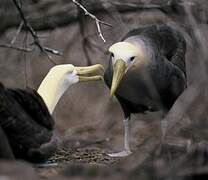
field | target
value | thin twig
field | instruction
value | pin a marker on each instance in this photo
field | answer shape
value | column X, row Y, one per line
column 17, row 33
column 16, row 48
column 53, row 51
column 34, row 34
column 97, row 21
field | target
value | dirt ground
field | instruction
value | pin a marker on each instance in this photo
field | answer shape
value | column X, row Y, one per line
column 88, row 146
column 64, row 157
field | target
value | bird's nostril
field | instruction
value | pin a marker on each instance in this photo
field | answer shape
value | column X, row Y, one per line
column 112, row 55
column 132, row 58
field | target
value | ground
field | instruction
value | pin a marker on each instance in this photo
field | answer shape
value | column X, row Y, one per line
column 64, row 157
column 87, row 145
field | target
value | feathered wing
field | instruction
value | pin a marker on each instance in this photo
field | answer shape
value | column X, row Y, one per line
column 5, row 149
column 178, row 58
column 24, row 132
column 174, row 45
column 169, row 47
column 166, row 41
column 108, row 74
column 34, row 105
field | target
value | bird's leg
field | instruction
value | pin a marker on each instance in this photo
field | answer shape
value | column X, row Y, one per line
column 126, row 135
column 163, row 125
column 126, row 150
column 163, row 128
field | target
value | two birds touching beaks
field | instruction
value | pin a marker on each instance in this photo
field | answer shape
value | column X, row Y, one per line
column 146, row 72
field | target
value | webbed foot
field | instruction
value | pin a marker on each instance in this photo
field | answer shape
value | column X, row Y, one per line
column 123, row 153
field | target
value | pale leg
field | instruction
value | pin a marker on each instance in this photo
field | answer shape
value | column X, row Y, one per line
column 126, row 150
column 163, row 126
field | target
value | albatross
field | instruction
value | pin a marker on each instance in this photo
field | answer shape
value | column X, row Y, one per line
column 146, row 72
column 26, row 122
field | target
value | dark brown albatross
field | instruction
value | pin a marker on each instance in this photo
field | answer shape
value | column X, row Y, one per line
column 146, row 72
column 26, row 123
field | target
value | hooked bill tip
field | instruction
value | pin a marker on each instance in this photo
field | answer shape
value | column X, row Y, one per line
column 112, row 92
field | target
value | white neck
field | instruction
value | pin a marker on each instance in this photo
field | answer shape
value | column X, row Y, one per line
column 56, row 82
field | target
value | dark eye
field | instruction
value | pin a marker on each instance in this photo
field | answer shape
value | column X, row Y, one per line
column 112, row 55
column 132, row 58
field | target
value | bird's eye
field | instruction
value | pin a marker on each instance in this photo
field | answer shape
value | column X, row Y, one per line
column 112, row 55
column 132, row 58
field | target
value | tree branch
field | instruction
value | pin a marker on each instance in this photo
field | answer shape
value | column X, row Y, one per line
column 34, row 34
column 97, row 21
column 50, row 14
column 16, row 48
column 17, row 33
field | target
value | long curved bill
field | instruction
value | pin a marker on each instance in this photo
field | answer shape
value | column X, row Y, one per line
column 119, row 69
column 85, row 73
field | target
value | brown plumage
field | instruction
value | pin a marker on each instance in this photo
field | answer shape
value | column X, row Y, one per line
column 152, row 61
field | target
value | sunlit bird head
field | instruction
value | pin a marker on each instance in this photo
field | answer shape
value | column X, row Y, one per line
column 124, row 56
column 61, row 77
column 74, row 74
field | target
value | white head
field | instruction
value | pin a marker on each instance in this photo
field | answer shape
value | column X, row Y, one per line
column 124, row 55
column 61, row 77
column 127, row 52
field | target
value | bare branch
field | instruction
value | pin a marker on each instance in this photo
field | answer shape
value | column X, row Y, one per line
column 34, row 34
column 97, row 21
column 16, row 48
column 17, row 33
column 53, row 51
column 99, row 30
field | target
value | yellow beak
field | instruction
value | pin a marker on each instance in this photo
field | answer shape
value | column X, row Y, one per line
column 84, row 73
column 119, row 69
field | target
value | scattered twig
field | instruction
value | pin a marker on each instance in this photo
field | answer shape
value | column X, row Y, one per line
column 11, row 45
column 53, row 51
column 97, row 21
column 34, row 34
column 17, row 33
column 16, row 48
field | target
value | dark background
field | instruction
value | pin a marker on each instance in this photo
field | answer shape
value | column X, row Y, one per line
column 85, row 116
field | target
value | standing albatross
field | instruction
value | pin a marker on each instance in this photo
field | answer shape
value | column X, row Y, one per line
column 146, row 72
column 25, row 115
